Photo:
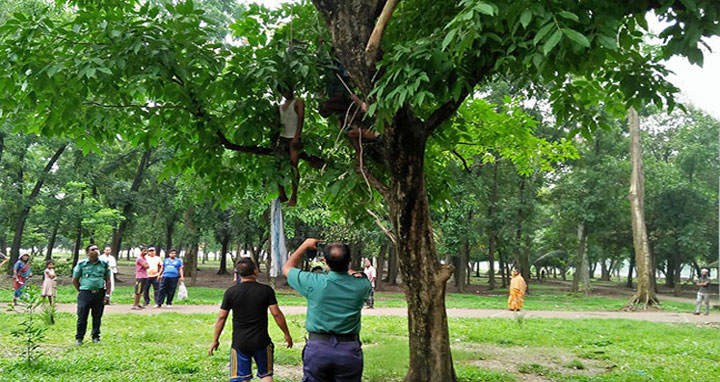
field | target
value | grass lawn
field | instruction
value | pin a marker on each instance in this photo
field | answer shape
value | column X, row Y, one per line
column 539, row 300
column 172, row 347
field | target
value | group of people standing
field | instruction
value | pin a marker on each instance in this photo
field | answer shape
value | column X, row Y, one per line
column 162, row 274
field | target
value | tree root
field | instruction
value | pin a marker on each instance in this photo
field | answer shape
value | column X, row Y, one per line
column 641, row 302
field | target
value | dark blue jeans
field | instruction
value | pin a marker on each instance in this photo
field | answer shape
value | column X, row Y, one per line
column 151, row 281
column 87, row 302
column 168, row 285
column 332, row 361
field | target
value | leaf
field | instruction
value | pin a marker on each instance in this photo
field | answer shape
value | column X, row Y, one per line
column 448, row 38
column 577, row 37
column 542, row 32
column 525, row 18
column 607, row 41
column 552, row 42
column 486, row 9
column 569, row 16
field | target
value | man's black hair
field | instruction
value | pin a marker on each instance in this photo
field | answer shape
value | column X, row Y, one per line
column 172, row 250
column 245, row 267
column 337, row 256
column 87, row 249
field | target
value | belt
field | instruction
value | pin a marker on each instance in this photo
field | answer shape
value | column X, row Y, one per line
column 338, row 337
column 93, row 290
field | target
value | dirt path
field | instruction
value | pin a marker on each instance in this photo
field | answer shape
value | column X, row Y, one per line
column 653, row 316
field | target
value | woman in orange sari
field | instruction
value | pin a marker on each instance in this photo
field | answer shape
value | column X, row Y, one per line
column 517, row 291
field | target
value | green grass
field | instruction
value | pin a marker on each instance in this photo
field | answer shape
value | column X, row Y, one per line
column 536, row 301
column 172, row 347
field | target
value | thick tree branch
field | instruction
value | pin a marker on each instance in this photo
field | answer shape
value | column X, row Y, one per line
column 373, row 45
column 464, row 162
column 313, row 161
column 444, row 112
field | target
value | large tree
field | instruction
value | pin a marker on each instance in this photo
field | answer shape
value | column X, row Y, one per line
column 152, row 70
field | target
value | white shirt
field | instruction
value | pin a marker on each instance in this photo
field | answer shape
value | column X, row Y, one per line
column 289, row 120
column 112, row 263
column 370, row 273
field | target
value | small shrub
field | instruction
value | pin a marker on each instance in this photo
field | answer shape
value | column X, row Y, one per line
column 29, row 332
column 575, row 364
column 533, row 368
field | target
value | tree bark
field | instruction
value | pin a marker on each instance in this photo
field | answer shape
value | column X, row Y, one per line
column 169, row 230
column 392, row 266
column 604, row 271
column 645, row 294
column 581, row 281
column 78, row 243
column 492, row 240
column 424, row 278
column 51, row 242
column 225, row 244
column 381, row 265
column 191, row 251
column 118, row 232
column 28, row 203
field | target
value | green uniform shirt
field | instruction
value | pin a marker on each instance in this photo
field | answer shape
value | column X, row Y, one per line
column 335, row 300
column 92, row 276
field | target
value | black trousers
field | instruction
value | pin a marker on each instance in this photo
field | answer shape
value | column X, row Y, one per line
column 152, row 281
column 168, row 285
column 89, row 302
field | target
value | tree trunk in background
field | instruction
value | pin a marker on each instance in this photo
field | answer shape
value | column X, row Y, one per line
column 525, row 261
column 225, row 245
column 493, row 230
column 28, row 203
column 128, row 206
column 51, row 242
column 592, row 269
column 392, row 266
column 604, row 271
column 78, row 244
column 581, row 281
column 629, row 283
column 380, row 265
column 191, row 250
column 169, row 230
column 501, row 263
column 645, row 293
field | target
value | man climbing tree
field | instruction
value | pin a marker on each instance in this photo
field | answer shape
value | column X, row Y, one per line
column 292, row 115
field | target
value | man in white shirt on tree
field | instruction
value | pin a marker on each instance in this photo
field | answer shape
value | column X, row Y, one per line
column 112, row 263
column 371, row 275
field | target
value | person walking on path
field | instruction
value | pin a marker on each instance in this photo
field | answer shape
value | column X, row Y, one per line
column 172, row 273
column 91, row 278
column 3, row 259
column 703, row 294
column 249, row 302
column 371, row 275
column 333, row 351
column 112, row 263
column 153, row 272
column 49, row 288
column 517, row 291
column 21, row 275
column 141, row 279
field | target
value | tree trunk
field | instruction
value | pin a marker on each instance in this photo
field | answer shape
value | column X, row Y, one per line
column 645, row 293
column 381, row 265
column 581, row 281
column 461, row 267
column 493, row 231
column 51, row 242
column 604, row 271
column 169, row 230
column 28, row 203
column 424, row 278
column 392, row 266
column 78, row 243
column 223, row 255
column 127, row 207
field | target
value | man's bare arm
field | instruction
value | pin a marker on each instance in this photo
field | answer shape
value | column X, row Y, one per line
column 281, row 323
column 219, row 326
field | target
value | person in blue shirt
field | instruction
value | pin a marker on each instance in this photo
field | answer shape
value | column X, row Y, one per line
column 172, row 272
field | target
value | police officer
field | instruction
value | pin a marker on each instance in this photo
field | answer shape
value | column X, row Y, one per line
column 91, row 277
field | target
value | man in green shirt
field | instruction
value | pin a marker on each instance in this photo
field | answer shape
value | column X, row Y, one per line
column 91, row 278
column 335, row 300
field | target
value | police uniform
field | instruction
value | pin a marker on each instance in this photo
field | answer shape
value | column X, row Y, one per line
column 91, row 296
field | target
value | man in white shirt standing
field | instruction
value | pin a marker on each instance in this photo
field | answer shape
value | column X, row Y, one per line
column 112, row 264
column 371, row 275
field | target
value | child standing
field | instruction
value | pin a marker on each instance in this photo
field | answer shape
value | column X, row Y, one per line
column 49, row 288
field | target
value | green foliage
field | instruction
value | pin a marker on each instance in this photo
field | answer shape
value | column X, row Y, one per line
column 29, row 332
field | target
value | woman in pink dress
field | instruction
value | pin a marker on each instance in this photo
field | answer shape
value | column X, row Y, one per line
column 49, row 289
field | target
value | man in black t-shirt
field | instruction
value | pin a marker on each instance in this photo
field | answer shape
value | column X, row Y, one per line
column 250, row 301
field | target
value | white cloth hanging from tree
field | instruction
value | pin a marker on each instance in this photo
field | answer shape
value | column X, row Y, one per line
column 278, row 249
